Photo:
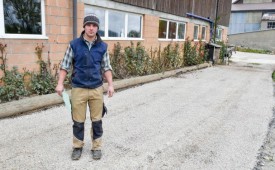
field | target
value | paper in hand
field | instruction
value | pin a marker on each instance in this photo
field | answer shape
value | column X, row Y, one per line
column 66, row 100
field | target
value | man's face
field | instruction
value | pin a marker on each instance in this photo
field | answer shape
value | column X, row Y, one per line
column 91, row 30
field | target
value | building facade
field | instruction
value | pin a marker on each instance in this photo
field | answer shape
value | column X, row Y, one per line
column 54, row 23
column 252, row 15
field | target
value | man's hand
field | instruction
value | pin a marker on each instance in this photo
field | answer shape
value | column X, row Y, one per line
column 59, row 89
column 108, row 76
column 110, row 91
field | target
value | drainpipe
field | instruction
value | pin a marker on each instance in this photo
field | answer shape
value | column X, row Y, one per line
column 193, row 6
column 75, row 19
column 216, row 21
column 204, row 19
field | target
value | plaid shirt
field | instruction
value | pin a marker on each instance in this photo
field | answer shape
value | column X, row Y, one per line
column 69, row 55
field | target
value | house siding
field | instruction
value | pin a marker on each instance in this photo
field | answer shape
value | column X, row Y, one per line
column 246, row 15
column 59, row 28
column 245, row 22
column 181, row 7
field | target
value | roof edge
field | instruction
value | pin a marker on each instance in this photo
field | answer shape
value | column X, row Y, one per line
column 253, row 7
column 235, row 1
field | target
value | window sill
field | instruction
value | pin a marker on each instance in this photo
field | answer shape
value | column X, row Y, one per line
column 121, row 39
column 23, row 36
column 171, row 40
column 199, row 40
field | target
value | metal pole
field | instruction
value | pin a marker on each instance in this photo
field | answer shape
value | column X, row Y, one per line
column 193, row 6
column 216, row 20
column 75, row 19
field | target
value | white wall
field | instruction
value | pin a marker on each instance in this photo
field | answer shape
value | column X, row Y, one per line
column 264, row 39
column 256, row 1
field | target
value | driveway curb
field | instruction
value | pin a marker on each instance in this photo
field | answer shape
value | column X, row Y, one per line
column 38, row 102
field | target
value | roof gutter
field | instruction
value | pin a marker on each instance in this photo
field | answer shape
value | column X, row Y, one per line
column 199, row 17
column 204, row 19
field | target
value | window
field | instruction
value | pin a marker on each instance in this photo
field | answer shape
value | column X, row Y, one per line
column 196, row 32
column 203, row 33
column 181, row 31
column 16, row 25
column 116, row 24
column 162, row 29
column 219, row 34
column 270, row 25
column 134, row 26
column 171, row 30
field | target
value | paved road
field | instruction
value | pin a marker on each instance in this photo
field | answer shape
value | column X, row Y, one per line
column 215, row 118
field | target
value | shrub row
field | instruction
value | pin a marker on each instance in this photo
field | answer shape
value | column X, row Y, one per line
column 133, row 60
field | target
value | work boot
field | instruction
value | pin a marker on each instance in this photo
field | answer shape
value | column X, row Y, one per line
column 76, row 153
column 96, row 154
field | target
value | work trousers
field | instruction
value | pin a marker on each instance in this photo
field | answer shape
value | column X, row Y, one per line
column 79, row 99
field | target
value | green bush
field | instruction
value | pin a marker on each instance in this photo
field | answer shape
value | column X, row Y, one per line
column 42, row 84
column 202, row 52
column 135, row 59
column 132, row 62
column 190, row 54
column 13, row 87
column 223, row 51
column 171, row 56
column 117, row 60
column 157, row 64
column 273, row 76
column 249, row 50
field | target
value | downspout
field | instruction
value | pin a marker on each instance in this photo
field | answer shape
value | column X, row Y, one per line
column 193, row 7
column 204, row 19
column 216, row 20
column 75, row 19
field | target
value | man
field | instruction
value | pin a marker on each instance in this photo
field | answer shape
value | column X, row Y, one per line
column 89, row 58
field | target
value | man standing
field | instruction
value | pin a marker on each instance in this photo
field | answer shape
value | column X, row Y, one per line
column 89, row 58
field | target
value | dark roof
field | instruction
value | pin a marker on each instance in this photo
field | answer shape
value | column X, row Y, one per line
column 253, row 7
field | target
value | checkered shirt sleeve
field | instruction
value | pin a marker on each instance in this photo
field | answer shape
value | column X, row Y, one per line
column 68, row 59
column 105, row 64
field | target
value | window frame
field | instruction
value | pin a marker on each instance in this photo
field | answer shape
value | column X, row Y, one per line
column 107, row 26
column 271, row 22
column 106, row 30
column 171, row 33
column 203, row 39
column 167, row 30
column 23, row 36
column 219, row 31
column 198, row 32
column 184, row 35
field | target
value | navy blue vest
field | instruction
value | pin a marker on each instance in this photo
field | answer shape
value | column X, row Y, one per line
column 87, row 63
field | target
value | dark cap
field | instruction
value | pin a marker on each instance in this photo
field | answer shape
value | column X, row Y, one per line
column 91, row 19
